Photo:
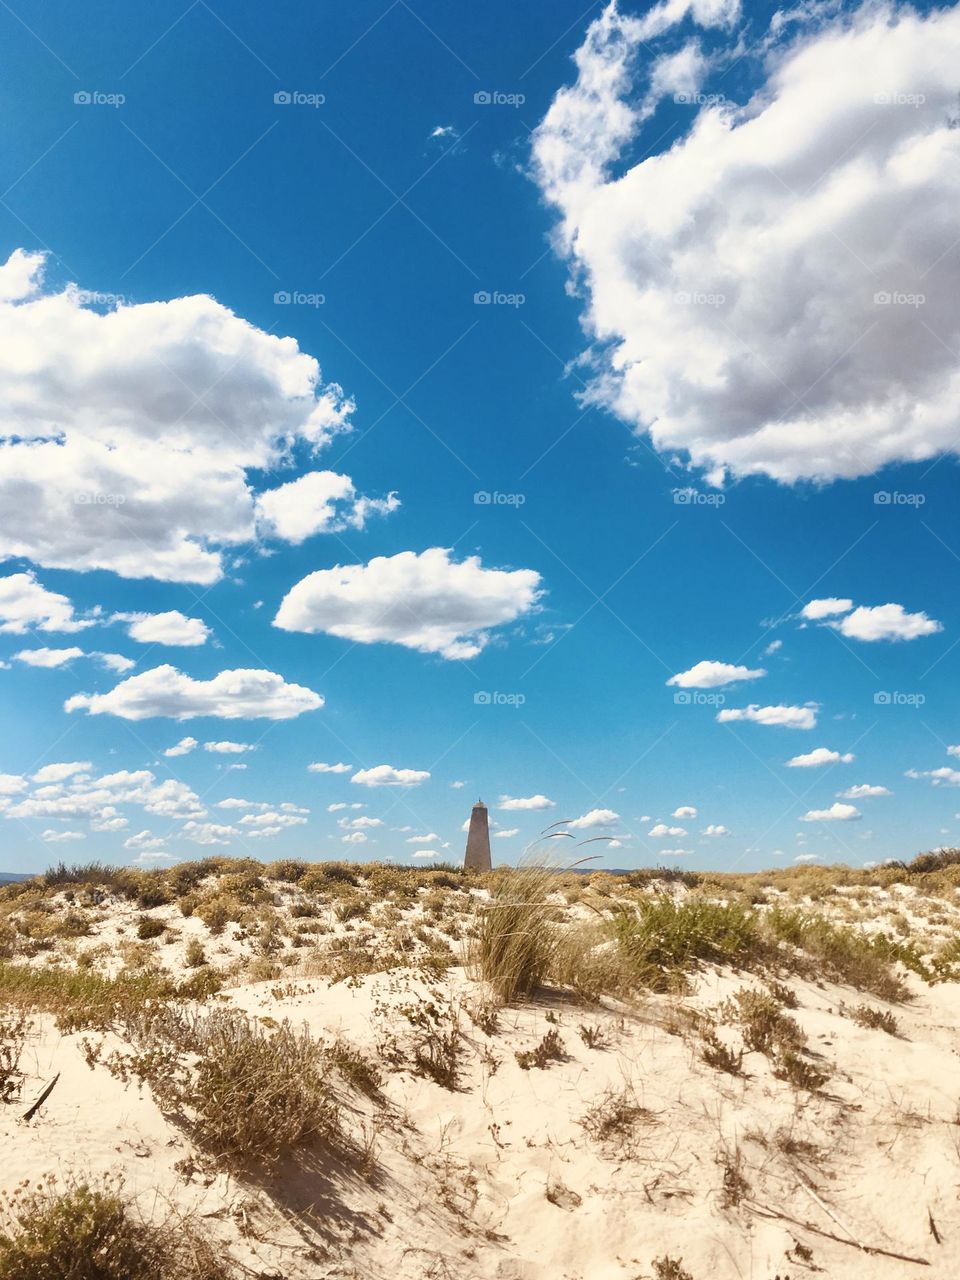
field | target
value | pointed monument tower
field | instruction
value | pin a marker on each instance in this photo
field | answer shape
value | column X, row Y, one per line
column 477, row 856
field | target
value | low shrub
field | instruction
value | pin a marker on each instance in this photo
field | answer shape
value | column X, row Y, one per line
column 515, row 942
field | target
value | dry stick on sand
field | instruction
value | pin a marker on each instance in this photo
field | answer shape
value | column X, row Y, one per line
column 32, row 1111
column 766, row 1211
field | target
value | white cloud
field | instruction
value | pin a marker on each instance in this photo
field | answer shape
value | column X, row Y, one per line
column 826, row 608
column 336, row 808
column 887, row 622
column 48, row 657
column 506, row 835
column 227, row 748
column 425, row 853
column 96, row 799
column 773, row 647
column 356, row 837
column 458, row 785
column 431, row 838
column 661, row 829
column 25, row 605
column 836, row 813
column 838, row 195
column 182, row 748
column 863, row 791
column 61, row 771
column 329, row 768
column 208, row 832
column 172, row 627
column 127, row 436
column 114, row 661
column 231, row 695
column 361, row 824
column 783, row 717
column 144, row 840
column 318, row 502
column 717, row 830
column 937, row 776
column 425, row 602
column 272, row 819
column 53, row 837
column 819, row 756
column 595, row 818
column 511, row 803
column 712, row 675
column 233, row 802
column 684, row 811
column 385, row 775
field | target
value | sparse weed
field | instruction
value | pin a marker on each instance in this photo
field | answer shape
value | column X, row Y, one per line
column 550, row 1049
column 876, row 1019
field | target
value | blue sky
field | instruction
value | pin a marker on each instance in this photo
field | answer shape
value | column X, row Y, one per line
column 712, row 383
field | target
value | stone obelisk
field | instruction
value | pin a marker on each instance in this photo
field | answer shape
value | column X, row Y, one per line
column 477, row 856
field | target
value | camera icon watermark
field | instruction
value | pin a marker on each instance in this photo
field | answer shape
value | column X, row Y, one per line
column 899, row 99
column 486, row 698
column 495, row 98
column 97, row 98
column 698, row 698
column 296, row 98
column 894, row 498
column 699, row 99
column 497, row 298
column 294, row 298
column 494, row 498
column 898, row 298
column 894, row 698
column 695, row 298
column 690, row 497
column 85, row 499
column 91, row 297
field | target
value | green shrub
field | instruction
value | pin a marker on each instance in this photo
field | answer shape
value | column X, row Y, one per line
column 661, row 934
column 149, row 927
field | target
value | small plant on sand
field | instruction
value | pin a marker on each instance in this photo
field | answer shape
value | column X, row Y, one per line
column 13, row 1034
column 613, row 1121
column 150, row 927
column 593, row 1037
column 799, row 1071
column 720, row 1056
column 765, row 1027
column 550, row 1049
column 515, row 943
column 89, row 1232
column 194, row 956
column 876, row 1019
column 667, row 1268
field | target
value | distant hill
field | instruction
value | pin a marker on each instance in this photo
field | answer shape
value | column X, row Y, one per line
column 12, row 877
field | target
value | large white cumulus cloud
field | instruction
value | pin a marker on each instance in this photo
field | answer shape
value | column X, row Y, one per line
column 732, row 280
column 125, row 436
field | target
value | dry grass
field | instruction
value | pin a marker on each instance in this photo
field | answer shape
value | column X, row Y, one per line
column 13, row 1035
column 89, row 1232
column 516, row 944
column 247, row 1094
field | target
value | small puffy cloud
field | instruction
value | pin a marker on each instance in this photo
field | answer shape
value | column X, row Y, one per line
column 684, row 811
column 48, row 657
column 675, row 853
column 318, row 502
column 887, row 622
column 227, row 748
column 144, row 840
column 773, row 647
column 208, row 832
column 61, row 771
column 319, row 767
column 336, row 808
column 114, row 661
column 53, row 837
column 661, row 830
column 863, row 791
column 360, row 824
column 172, row 628
column 779, row 716
column 355, row 837
column 815, row 857
column 26, row 606
column 231, row 695
column 826, row 608
column 425, row 602
column 716, row 829
column 126, row 437
column 182, row 748
column 423, row 854
column 272, row 818
column 431, row 838
column 595, row 818
column 819, row 756
column 234, row 802
column 506, row 835
column 836, row 813
column 385, row 775
column 458, row 785
column 712, row 675
column 511, row 803
column 938, row 777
